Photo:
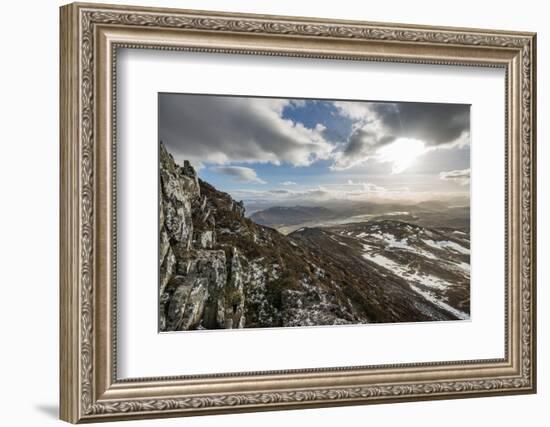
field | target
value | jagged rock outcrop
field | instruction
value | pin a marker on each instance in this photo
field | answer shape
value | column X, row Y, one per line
column 235, row 298
column 218, row 269
column 192, row 276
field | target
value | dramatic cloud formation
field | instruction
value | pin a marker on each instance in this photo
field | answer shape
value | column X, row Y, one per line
column 461, row 177
column 222, row 130
column 435, row 124
column 240, row 174
column 288, row 151
column 362, row 145
column 377, row 125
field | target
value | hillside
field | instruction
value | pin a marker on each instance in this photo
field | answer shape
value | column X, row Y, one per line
column 400, row 257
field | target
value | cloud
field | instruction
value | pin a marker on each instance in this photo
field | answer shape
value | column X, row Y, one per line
column 461, row 177
column 378, row 124
column 433, row 123
column 240, row 174
column 277, row 191
column 288, row 183
column 366, row 186
column 225, row 129
column 401, row 153
column 358, row 191
column 362, row 145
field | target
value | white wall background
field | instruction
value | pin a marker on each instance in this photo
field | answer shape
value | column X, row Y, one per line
column 29, row 170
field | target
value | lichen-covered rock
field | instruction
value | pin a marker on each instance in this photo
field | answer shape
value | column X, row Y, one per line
column 234, row 294
column 238, row 208
column 190, row 173
column 178, row 191
column 204, row 239
column 167, row 268
column 178, row 292
column 186, row 303
column 208, row 266
column 195, row 307
column 164, row 243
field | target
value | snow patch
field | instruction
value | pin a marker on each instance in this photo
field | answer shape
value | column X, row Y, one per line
column 397, row 213
column 447, row 244
column 433, row 299
column 462, row 266
column 393, row 243
column 415, row 277
column 403, row 272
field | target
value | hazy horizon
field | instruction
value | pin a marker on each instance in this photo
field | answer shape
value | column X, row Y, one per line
column 303, row 152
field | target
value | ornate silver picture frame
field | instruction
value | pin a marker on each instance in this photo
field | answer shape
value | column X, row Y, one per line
column 91, row 37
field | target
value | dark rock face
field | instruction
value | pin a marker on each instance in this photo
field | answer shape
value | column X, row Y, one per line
column 218, row 269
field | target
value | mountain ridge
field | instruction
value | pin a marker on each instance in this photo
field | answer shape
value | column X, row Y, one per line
column 219, row 269
column 290, row 215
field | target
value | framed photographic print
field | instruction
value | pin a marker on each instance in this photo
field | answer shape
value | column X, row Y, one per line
column 265, row 212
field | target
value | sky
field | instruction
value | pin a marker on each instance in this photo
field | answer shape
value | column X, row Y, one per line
column 285, row 152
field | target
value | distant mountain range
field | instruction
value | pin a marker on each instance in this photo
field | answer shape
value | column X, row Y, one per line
column 291, row 215
column 220, row 269
column 429, row 213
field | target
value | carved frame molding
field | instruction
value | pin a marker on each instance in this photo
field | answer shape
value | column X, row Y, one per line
column 90, row 35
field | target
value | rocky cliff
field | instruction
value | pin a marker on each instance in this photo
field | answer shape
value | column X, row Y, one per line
column 219, row 269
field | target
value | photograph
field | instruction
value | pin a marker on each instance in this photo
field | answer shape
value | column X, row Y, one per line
column 288, row 212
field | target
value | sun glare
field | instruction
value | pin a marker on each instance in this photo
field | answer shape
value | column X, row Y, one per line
column 401, row 153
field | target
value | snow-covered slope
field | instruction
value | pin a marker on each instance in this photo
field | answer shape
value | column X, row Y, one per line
column 434, row 263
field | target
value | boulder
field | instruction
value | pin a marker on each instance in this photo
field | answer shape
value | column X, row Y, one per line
column 167, row 269
column 204, row 239
column 209, row 266
column 234, row 295
column 186, row 303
